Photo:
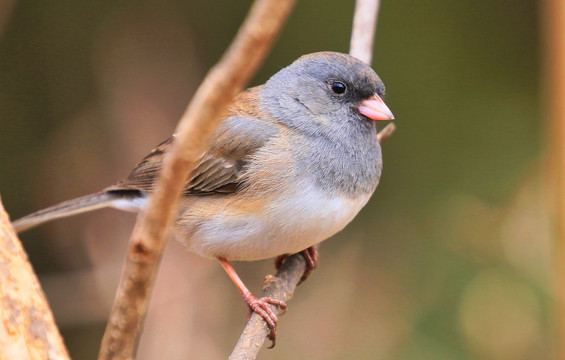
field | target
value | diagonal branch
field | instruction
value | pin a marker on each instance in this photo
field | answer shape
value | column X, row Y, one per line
column 27, row 327
column 280, row 287
column 200, row 120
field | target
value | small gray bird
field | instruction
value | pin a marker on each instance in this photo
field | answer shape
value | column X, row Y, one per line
column 292, row 163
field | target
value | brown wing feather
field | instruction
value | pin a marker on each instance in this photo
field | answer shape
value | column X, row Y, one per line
column 211, row 174
column 144, row 175
column 222, row 168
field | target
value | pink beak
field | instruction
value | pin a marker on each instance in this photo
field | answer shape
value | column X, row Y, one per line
column 375, row 108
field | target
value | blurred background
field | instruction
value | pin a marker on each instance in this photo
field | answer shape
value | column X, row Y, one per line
column 451, row 259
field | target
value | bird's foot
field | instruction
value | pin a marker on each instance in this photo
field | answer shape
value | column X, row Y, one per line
column 311, row 257
column 262, row 308
column 279, row 260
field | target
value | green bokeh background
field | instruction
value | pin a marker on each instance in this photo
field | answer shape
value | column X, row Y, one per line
column 451, row 259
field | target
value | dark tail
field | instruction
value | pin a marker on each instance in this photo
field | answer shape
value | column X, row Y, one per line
column 67, row 208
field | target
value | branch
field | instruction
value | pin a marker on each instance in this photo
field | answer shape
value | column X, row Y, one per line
column 282, row 285
column 27, row 327
column 364, row 27
column 200, row 120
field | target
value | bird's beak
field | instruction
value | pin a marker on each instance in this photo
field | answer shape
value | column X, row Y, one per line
column 375, row 108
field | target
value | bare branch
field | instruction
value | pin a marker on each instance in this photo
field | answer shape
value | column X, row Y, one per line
column 200, row 120
column 27, row 327
column 364, row 26
column 282, row 285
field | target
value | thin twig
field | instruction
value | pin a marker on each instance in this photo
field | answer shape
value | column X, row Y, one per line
column 386, row 132
column 364, row 26
column 27, row 327
column 200, row 120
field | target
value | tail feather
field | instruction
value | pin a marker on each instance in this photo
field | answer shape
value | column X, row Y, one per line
column 67, row 208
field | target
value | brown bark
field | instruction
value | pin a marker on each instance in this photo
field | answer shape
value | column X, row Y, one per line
column 27, row 327
column 200, row 120
column 280, row 287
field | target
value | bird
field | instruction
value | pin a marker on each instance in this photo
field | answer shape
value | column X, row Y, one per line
column 292, row 163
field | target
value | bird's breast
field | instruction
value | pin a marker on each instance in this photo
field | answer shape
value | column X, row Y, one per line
column 351, row 169
column 286, row 223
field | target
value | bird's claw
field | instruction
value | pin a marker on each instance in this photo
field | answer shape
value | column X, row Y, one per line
column 262, row 308
column 311, row 257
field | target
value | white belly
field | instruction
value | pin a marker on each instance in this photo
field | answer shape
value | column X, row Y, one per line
column 295, row 224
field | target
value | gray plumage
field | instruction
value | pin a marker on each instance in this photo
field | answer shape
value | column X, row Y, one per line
column 344, row 154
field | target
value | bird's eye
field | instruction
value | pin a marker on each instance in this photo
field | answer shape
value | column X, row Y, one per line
column 338, row 87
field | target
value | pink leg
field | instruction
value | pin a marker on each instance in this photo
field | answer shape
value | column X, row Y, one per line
column 259, row 305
